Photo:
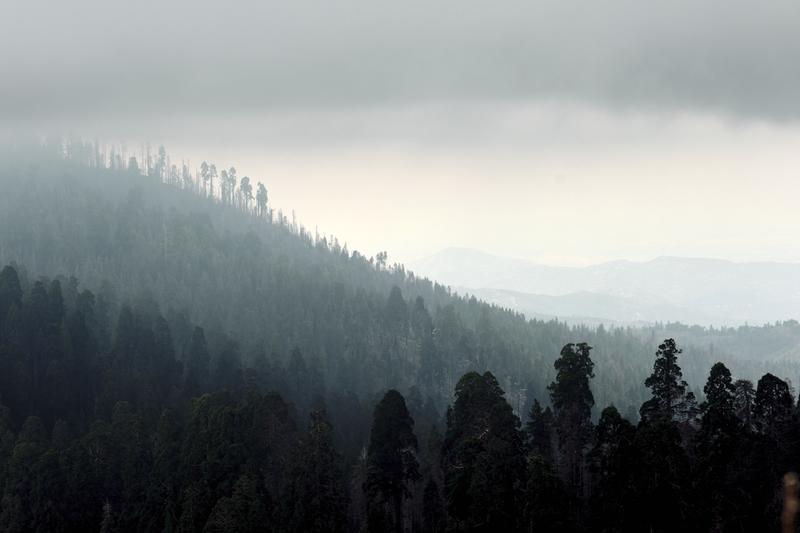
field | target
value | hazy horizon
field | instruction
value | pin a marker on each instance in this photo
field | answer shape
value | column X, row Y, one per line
column 629, row 132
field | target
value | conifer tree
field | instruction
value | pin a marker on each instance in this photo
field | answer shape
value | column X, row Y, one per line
column 669, row 399
column 773, row 403
column 483, row 457
column 661, row 499
column 716, row 445
column 391, row 464
column 611, row 474
column 539, row 431
column 572, row 402
column 744, row 397
column 317, row 496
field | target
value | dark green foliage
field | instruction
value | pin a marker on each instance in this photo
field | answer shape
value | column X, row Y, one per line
column 669, row 401
column 539, row 432
column 717, row 444
column 391, row 464
column 317, row 496
column 483, row 458
column 773, row 403
column 572, row 402
column 269, row 285
column 433, row 520
column 661, row 469
column 547, row 506
column 611, row 469
column 744, row 398
column 661, row 499
column 246, row 509
column 121, row 435
column 166, row 397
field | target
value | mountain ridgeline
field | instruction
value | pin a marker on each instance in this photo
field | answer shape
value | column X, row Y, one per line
column 178, row 355
column 266, row 284
column 665, row 289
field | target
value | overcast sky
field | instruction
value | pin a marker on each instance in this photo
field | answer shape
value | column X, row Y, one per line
column 565, row 132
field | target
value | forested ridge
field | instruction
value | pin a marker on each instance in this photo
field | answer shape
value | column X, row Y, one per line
column 178, row 355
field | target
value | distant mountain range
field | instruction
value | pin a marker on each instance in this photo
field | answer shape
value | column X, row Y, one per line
column 689, row 290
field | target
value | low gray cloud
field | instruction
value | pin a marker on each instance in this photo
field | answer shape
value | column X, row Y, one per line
column 84, row 58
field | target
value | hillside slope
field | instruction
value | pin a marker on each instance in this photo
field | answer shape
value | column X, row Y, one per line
column 272, row 287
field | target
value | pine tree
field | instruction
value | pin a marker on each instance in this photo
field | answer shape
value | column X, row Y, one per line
column 716, row 445
column 391, row 464
column 539, row 431
column 483, row 457
column 17, row 512
column 661, row 499
column 744, row 397
column 773, row 403
column 547, row 505
column 611, row 472
column 246, row 509
column 317, row 497
column 572, row 402
column 669, row 399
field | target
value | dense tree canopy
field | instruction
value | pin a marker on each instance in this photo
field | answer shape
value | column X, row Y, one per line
column 176, row 355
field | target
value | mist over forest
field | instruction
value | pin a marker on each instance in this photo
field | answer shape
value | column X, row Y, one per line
column 415, row 267
column 179, row 355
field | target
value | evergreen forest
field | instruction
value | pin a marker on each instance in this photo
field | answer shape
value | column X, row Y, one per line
column 177, row 354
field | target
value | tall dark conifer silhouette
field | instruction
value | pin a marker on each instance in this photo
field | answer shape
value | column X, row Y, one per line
column 715, row 447
column 669, row 399
column 483, row 458
column 391, row 464
column 572, row 402
column 661, row 497
column 610, row 465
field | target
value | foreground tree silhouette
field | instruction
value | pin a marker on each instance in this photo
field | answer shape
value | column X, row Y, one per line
column 715, row 448
column 669, row 399
column 483, row 458
column 611, row 471
column 572, row 401
column 539, row 431
column 391, row 464
column 775, row 450
column 744, row 397
column 773, row 404
column 661, row 499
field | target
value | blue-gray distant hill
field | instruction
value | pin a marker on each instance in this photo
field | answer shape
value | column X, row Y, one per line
column 689, row 290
